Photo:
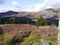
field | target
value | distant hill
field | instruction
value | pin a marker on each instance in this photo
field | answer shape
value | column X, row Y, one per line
column 9, row 13
column 47, row 13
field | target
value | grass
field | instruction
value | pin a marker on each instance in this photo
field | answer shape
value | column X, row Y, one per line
column 33, row 39
column 8, row 42
column 51, row 41
column 14, row 41
column 1, row 37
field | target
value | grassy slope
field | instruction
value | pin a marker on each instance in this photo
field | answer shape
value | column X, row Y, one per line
column 33, row 39
column 1, row 39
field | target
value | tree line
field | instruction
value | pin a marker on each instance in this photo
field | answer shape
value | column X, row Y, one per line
column 24, row 20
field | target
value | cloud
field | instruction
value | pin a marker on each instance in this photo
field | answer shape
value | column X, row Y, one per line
column 45, row 4
column 3, row 9
column 15, row 3
column 2, row 1
column 16, row 6
column 51, row 3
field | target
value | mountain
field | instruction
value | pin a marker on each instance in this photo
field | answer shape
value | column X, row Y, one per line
column 47, row 13
column 50, row 14
column 8, row 13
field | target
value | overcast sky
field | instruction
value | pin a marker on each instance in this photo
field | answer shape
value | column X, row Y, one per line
column 28, row 5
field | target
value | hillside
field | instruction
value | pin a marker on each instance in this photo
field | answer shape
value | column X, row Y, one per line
column 47, row 13
column 28, row 33
column 30, row 17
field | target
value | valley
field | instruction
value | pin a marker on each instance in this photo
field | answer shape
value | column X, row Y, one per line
column 28, row 28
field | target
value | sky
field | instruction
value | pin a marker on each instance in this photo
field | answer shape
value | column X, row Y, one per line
column 28, row 5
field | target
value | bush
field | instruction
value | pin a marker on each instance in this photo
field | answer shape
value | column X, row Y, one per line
column 41, row 22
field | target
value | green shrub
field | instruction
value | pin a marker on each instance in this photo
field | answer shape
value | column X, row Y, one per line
column 41, row 22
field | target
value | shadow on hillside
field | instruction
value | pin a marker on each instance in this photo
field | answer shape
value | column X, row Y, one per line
column 9, row 13
column 53, row 20
column 17, row 20
column 24, row 20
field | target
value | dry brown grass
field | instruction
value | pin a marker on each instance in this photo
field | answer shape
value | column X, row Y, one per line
column 11, row 30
